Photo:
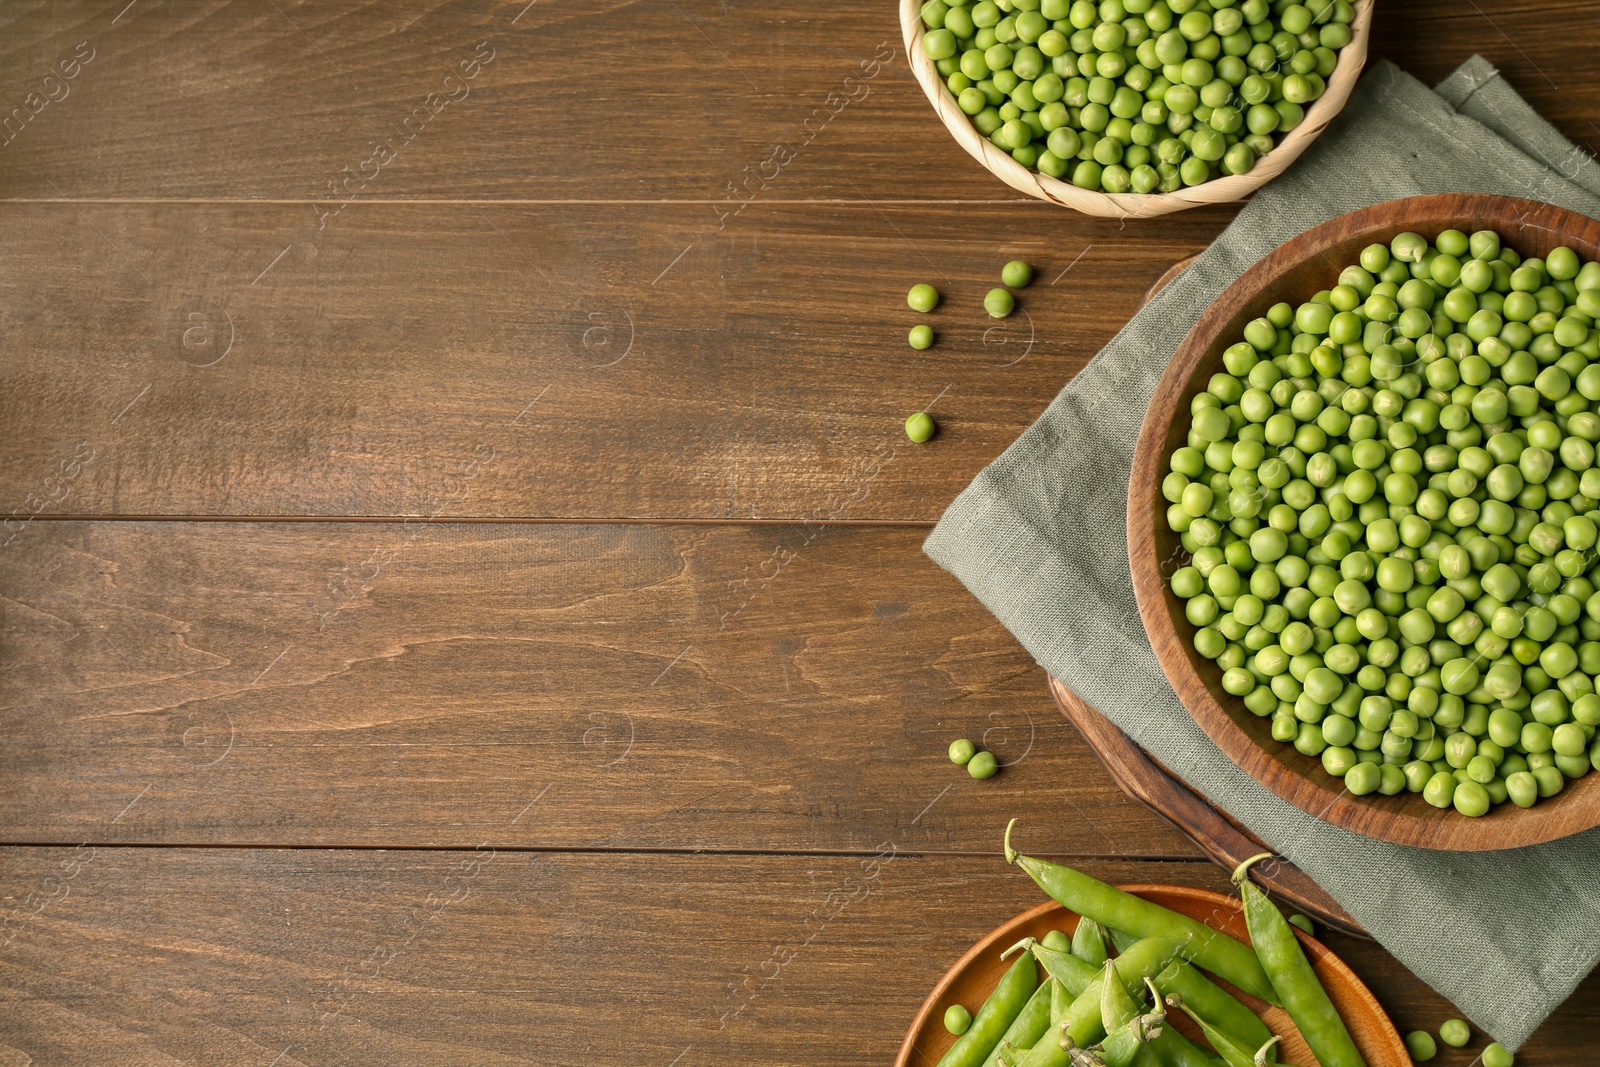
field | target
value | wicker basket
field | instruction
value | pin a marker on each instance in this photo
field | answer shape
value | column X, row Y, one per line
column 1222, row 190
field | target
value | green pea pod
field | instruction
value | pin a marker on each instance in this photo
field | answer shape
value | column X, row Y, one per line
column 1073, row 973
column 1204, row 997
column 1174, row 1050
column 1082, row 1025
column 1060, row 1001
column 1030, row 1023
column 1116, row 1005
column 1129, row 1044
column 1131, row 1030
column 1285, row 962
column 1228, row 1047
column 996, row 1015
column 1089, row 942
column 1093, row 899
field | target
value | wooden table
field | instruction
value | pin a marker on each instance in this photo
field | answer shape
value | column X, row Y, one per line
column 462, row 589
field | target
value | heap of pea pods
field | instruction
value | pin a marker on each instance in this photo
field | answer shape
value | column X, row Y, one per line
column 1390, row 500
column 1140, row 95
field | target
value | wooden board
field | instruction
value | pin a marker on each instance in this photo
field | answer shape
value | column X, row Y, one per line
column 380, row 353
column 571, row 361
column 402, row 686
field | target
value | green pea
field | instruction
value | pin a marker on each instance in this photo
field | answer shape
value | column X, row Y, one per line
column 1455, row 1032
column 923, row 297
column 957, row 1019
column 1421, row 1045
column 1364, row 778
column 1017, row 274
column 1494, row 1053
column 921, row 337
column 962, row 751
column 920, row 426
column 1471, row 799
column 1440, row 790
column 999, row 303
column 1522, row 788
column 983, row 765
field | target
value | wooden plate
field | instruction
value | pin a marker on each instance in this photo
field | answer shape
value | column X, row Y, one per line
column 976, row 974
column 1293, row 272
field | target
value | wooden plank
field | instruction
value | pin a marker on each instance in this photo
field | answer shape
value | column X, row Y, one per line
column 573, row 361
column 390, row 685
column 246, row 101
column 506, row 957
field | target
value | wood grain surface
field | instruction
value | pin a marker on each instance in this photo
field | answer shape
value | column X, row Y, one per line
column 579, row 361
column 1307, row 263
column 429, row 398
column 405, row 686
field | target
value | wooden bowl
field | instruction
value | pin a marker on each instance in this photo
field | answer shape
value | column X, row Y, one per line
column 1296, row 270
column 976, row 974
column 1223, row 190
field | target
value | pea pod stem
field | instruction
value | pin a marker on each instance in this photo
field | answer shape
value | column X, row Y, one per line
column 1266, row 1053
column 1292, row 976
column 1117, row 910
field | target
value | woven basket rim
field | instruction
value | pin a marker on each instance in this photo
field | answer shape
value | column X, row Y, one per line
column 1227, row 189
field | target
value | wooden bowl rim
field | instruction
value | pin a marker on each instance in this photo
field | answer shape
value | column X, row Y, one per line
column 1319, row 953
column 1405, row 819
column 1227, row 189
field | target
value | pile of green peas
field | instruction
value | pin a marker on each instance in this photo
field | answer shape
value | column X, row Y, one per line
column 1140, row 95
column 1389, row 500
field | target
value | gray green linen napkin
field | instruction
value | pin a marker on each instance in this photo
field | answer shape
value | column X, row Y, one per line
column 1039, row 538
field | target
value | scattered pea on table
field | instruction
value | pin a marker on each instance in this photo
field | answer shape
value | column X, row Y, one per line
column 1421, row 1045
column 999, row 303
column 920, row 427
column 920, row 337
column 957, row 1019
column 1497, row 1055
column 983, row 765
column 1455, row 1032
column 923, row 297
column 961, row 751
column 1017, row 274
